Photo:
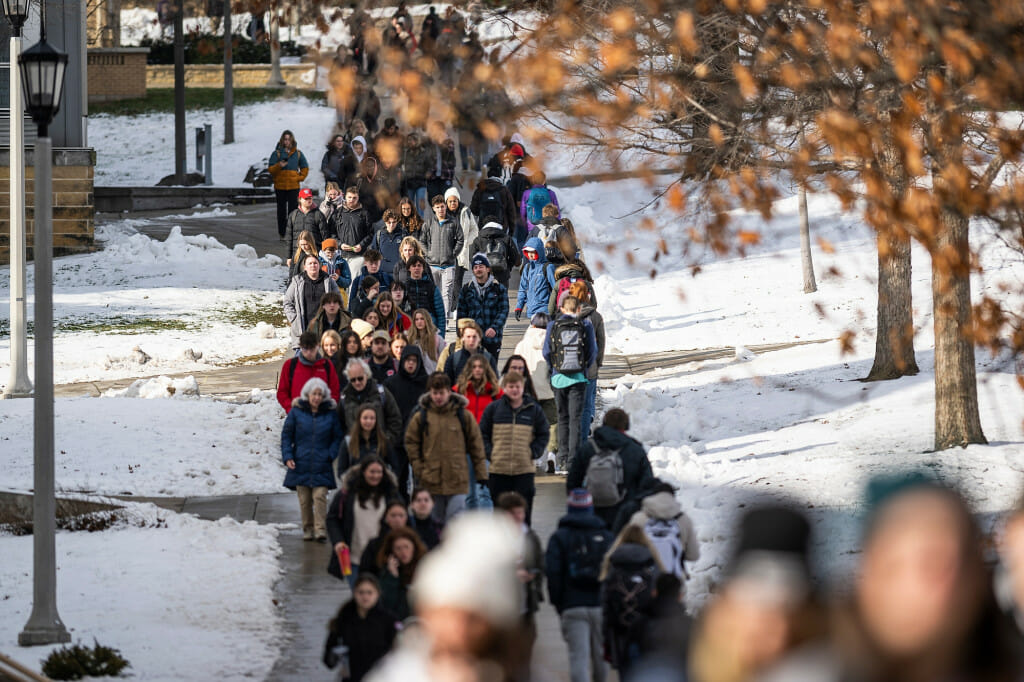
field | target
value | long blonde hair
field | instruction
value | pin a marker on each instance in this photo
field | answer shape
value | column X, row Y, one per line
column 466, row 377
column 630, row 535
column 299, row 253
column 427, row 339
column 416, row 245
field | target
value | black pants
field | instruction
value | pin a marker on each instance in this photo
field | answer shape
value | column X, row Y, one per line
column 569, row 402
column 519, row 483
column 287, row 201
column 492, row 346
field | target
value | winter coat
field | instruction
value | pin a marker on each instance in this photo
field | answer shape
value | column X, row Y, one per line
column 453, row 359
column 368, row 639
column 388, row 415
column 437, row 449
column 423, row 293
column 533, row 563
column 294, row 172
column 320, row 324
column 525, row 202
column 534, row 287
column 545, row 229
column 340, row 510
column 589, row 345
column 514, row 437
column 517, row 185
column 490, row 310
column 493, row 233
column 419, row 161
column 383, row 279
column 556, row 273
column 442, row 242
column 478, row 402
column 563, row 591
column 470, row 230
column 665, row 506
column 312, row 441
column 387, row 243
column 508, row 203
column 313, row 221
column 384, row 371
column 295, row 304
column 338, row 265
column 352, row 226
column 290, row 383
column 366, row 448
column 636, row 468
column 589, row 312
column 338, row 165
column 407, row 388
column 328, row 208
column 531, row 347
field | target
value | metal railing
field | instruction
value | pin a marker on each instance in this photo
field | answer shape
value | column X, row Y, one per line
column 12, row 671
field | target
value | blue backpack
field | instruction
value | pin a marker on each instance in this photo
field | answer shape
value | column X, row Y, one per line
column 538, row 199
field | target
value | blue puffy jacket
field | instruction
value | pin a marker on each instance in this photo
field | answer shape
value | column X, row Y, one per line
column 534, row 288
column 313, row 441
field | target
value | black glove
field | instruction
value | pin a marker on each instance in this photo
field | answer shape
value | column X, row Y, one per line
column 519, row 314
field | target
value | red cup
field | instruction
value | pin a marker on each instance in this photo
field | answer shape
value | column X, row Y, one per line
column 345, row 560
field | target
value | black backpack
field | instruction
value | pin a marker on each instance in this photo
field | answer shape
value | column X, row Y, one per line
column 497, row 253
column 492, row 203
column 567, row 349
column 628, row 594
column 586, row 552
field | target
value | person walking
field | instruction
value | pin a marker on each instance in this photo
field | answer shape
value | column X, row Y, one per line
column 288, row 167
column 530, row 572
column 572, row 565
column 353, row 229
column 399, row 556
column 424, row 294
column 307, row 364
column 531, row 349
column 387, row 241
column 485, row 300
column 515, row 433
column 443, row 241
column 570, row 350
column 310, row 441
column 534, row 285
column 588, row 312
column 470, row 229
column 363, row 631
column 356, row 511
column 469, row 343
column 303, row 295
column 423, row 333
column 439, row 436
column 306, row 218
column 500, row 248
column 613, row 464
column 363, row 390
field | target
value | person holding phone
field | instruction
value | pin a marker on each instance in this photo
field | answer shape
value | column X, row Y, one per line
column 288, row 166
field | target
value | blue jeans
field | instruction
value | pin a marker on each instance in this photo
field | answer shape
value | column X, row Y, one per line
column 420, row 201
column 479, row 496
column 589, row 408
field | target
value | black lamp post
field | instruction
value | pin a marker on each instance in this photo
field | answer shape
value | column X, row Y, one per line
column 42, row 75
column 19, row 385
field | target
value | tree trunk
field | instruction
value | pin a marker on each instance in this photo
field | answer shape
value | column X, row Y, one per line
column 810, row 286
column 229, row 82
column 894, row 338
column 957, row 421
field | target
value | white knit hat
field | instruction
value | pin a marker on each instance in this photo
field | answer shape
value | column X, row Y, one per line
column 474, row 568
column 452, row 192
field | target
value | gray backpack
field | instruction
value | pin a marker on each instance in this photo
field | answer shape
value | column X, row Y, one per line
column 605, row 479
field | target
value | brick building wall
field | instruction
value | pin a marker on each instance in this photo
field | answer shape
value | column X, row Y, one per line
column 73, row 203
column 117, row 73
column 302, row 76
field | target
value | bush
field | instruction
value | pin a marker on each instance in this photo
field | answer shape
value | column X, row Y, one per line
column 76, row 662
column 207, row 48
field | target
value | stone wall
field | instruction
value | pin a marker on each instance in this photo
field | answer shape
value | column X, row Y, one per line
column 117, row 73
column 302, row 76
column 73, row 204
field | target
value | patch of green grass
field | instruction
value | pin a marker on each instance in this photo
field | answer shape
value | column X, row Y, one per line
column 161, row 100
column 257, row 310
column 111, row 325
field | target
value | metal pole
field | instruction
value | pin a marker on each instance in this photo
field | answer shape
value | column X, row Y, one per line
column 179, row 93
column 19, row 385
column 208, row 154
column 44, row 625
column 229, row 78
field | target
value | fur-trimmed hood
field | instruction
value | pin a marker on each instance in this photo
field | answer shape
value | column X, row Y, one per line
column 661, row 506
column 455, row 400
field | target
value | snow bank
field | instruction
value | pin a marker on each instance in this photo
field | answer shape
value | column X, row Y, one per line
column 201, row 587
column 182, row 446
column 159, row 387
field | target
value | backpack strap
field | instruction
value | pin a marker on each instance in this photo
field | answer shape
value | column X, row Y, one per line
column 291, row 373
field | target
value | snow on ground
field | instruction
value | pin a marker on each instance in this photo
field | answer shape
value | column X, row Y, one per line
column 174, row 299
column 152, row 444
column 176, row 585
column 135, row 150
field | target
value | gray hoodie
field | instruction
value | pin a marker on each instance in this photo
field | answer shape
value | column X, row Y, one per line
column 665, row 506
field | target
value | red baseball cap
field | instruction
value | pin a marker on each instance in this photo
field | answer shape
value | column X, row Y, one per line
column 517, row 150
column 305, row 193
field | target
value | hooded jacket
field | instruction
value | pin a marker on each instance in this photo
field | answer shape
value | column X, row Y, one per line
column 531, row 347
column 514, row 437
column 534, row 288
column 312, row 441
column 407, row 388
column 665, row 506
column 338, row 265
column 294, row 304
column 437, row 449
column 555, row 275
column 295, row 169
column 572, row 528
column 636, row 468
